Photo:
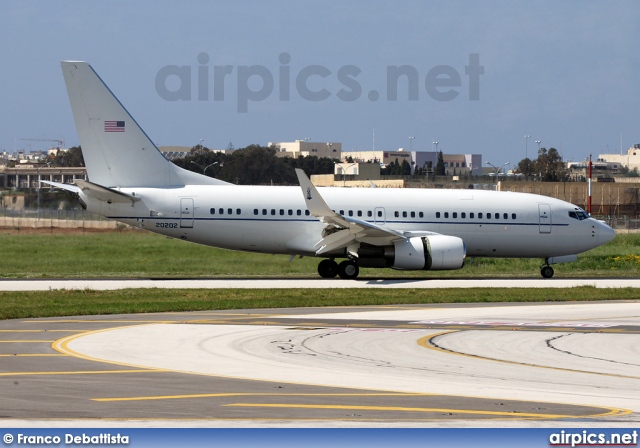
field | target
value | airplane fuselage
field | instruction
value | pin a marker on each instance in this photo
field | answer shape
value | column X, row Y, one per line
column 275, row 219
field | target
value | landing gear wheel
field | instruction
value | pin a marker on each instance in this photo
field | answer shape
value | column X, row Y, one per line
column 546, row 271
column 348, row 270
column 328, row 269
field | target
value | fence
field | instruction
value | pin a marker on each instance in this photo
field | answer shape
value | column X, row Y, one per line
column 59, row 219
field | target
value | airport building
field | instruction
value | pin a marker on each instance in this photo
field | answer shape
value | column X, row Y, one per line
column 455, row 164
column 306, row 148
column 630, row 160
column 29, row 176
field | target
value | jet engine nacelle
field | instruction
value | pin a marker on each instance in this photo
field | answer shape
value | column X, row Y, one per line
column 433, row 252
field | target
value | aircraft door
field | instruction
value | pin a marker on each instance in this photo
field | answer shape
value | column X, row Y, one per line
column 379, row 215
column 186, row 213
column 545, row 218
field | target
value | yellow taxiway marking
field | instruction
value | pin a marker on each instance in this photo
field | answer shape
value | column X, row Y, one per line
column 41, row 331
column 249, row 394
column 426, row 342
column 610, row 411
column 410, row 409
column 82, row 372
column 102, row 321
column 15, row 341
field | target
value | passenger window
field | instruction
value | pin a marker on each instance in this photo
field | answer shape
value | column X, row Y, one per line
column 404, row 214
column 446, row 214
column 497, row 215
column 413, row 214
column 281, row 212
column 379, row 213
column 505, row 215
column 342, row 212
column 396, row 214
column 221, row 211
column 299, row 212
column 480, row 215
column 488, row 215
column 350, row 212
column 421, row 215
column 264, row 211
column 213, row 212
column 238, row 211
column 273, row 212
column 455, row 214
column 463, row 215
column 437, row 214
column 359, row 212
column 229, row 211
column 513, row 216
column 369, row 213
column 255, row 211
column 290, row 212
column 307, row 213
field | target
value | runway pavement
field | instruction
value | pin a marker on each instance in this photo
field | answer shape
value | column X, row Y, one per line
column 567, row 364
column 112, row 284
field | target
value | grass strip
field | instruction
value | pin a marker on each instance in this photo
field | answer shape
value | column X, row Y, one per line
column 56, row 303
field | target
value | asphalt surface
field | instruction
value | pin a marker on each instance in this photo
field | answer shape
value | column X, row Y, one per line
column 244, row 368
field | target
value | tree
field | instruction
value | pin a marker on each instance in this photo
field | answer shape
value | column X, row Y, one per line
column 254, row 165
column 440, row 169
column 405, row 168
column 526, row 167
column 548, row 166
column 72, row 157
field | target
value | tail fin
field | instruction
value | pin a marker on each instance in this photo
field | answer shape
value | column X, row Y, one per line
column 116, row 151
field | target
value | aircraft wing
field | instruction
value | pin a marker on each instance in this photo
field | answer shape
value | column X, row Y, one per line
column 342, row 231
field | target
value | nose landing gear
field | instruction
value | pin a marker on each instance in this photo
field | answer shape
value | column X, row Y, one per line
column 546, row 271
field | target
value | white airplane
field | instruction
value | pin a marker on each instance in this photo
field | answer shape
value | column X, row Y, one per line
column 129, row 180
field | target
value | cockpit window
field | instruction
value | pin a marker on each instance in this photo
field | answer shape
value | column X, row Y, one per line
column 579, row 215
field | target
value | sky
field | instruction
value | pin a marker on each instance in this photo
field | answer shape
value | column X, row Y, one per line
column 474, row 76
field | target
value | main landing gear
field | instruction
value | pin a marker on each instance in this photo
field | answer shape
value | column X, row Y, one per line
column 546, row 271
column 348, row 269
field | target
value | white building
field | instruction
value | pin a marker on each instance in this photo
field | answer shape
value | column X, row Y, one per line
column 306, row 148
column 455, row 164
column 630, row 160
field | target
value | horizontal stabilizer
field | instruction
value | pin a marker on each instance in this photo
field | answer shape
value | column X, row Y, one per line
column 67, row 187
column 105, row 194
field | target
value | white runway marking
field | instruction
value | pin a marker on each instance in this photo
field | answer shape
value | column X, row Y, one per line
column 46, row 284
column 598, row 369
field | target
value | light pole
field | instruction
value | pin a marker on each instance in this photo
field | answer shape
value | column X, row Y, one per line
column 344, row 173
column 436, row 143
column 205, row 168
column 526, row 140
column 201, row 147
column 411, row 143
column 306, row 140
column 538, row 142
column 497, row 169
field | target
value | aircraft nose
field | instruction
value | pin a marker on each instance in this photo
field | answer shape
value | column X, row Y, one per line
column 605, row 233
